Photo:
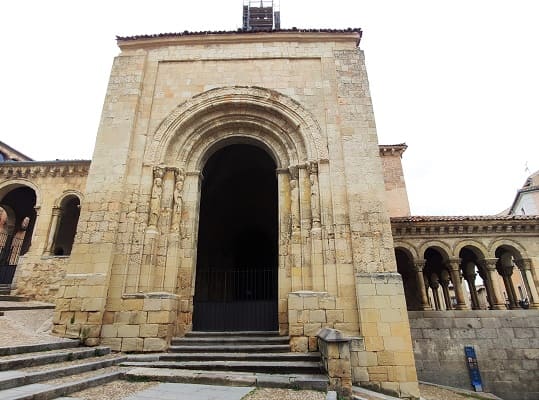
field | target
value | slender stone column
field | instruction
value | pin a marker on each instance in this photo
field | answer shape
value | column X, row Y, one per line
column 525, row 266
column 315, row 195
column 489, row 265
column 317, row 250
column 483, row 274
column 435, row 284
column 506, row 272
column 469, row 275
column 285, row 232
column 55, row 218
column 306, row 224
column 470, row 278
column 419, row 265
column 444, row 282
column 295, row 250
column 454, row 270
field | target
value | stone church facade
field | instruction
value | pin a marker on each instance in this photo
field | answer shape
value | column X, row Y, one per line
column 237, row 184
column 192, row 126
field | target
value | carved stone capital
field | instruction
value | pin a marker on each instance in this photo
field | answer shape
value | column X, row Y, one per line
column 419, row 265
column 453, row 264
column 525, row 264
column 489, row 263
column 294, row 172
column 313, row 167
column 174, row 170
column 158, row 172
column 282, row 171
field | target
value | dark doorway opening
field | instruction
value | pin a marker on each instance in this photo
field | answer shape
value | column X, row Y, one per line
column 16, row 236
column 236, row 277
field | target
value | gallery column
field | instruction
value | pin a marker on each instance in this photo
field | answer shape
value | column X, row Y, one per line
column 454, row 270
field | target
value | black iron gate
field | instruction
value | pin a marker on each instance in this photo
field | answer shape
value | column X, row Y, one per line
column 235, row 300
column 10, row 249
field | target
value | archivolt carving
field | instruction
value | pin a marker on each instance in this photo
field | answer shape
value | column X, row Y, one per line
column 257, row 113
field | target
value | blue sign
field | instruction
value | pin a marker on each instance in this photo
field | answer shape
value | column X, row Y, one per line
column 473, row 367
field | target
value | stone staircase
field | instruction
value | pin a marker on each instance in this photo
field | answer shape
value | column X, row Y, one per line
column 5, row 289
column 234, row 358
column 51, row 370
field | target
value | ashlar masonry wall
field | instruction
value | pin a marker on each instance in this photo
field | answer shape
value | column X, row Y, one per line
column 174, row 101
column 506, row 344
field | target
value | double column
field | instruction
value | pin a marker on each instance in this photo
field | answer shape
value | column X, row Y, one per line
column 493, row 289
column 453, row 265
column 525, row 266
column 419, row 265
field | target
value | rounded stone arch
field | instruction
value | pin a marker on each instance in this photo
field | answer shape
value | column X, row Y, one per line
column 518, row 250
column 196, row 154
column 443, row 248
column 8, row 186
column 263, row 116
column 66, row 194
column 408, row 248
column 478, row 248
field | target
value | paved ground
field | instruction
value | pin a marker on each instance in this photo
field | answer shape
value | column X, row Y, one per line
column 179, row 391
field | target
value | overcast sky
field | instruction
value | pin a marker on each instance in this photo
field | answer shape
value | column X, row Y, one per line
column 458, row 81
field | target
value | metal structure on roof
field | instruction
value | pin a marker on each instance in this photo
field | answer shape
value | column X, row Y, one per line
column 261, row 15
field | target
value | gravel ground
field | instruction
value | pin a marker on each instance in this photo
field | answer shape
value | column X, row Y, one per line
column 26, row 327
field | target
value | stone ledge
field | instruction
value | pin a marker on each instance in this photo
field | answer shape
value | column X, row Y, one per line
column 150, row 295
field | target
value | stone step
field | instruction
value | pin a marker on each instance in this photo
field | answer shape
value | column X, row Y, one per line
column 44, row 391
column 24, row 305
column 278, row 366
column 30, row 360
column 8, row 297
column 228, row 378
column 32, row 348
column 5, row 289
column 11, row 379
column 230, row 348
column 287, row 357
column 229, row 340
column 232, row 333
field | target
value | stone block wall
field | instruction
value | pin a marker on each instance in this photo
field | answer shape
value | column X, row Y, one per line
column 40, row 280
column 506, row 344
column 387, row 364
column 140, row 322
column 309, row 312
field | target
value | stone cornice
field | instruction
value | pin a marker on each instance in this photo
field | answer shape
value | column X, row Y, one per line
column 191, row 38
column 43, row 169
column 392, row 149
column 465, row 226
